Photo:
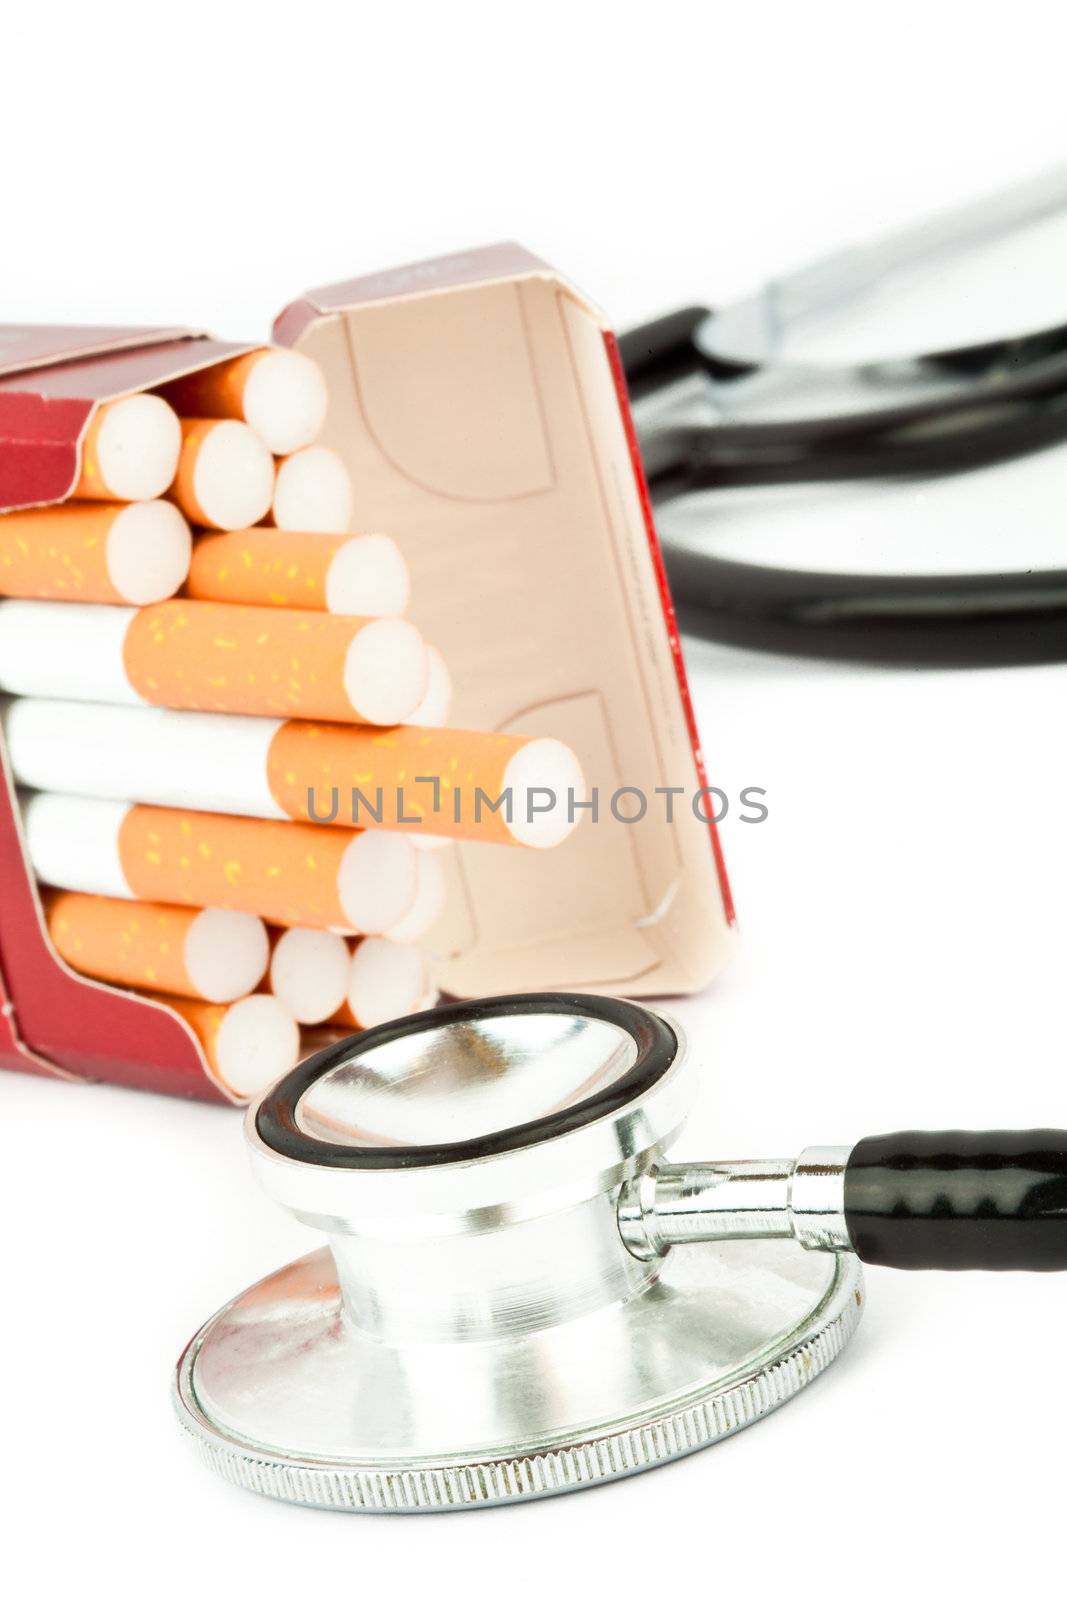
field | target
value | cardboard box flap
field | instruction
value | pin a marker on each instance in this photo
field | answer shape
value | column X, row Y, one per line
column 25, row 346
column 491, row 263
column 479, row 405
column 47, row 400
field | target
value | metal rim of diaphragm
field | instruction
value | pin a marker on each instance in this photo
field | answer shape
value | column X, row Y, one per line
column 676, row 1427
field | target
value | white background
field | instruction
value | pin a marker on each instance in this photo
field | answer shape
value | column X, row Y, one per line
column 902, row 908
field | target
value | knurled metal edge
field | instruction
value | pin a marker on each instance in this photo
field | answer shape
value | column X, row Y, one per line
column 598, row 1458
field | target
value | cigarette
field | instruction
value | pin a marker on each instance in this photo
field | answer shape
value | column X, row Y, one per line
column 429, row 902
column 225, row 474
column 433, row 709
column 200, row 655
column 312, row 493
column 459, row 784
column 353, row 576
column 289, row 873
column 305, row 771
column 133, row 554
column 130, row 451
column 248, row 1044
column 309, row 972
column 203, row 955
column 279, row 393
column 387, row 980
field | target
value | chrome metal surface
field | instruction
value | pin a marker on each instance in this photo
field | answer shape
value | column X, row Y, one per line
column 368, row 1104
column 817, row 1197
column 283, row 1395
column 478, row 1330
column 465, row 1080
column 752, row 330
column 715, row 1200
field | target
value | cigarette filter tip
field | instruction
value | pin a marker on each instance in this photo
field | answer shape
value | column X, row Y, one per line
column 226, row 953
column 148, row 552
column 378, row 880
column 313, row 493
column 386, row 669
column 248, row 1045
column 388, row 980
column 368, row 577
column 285, row 399
column 309, row 973
column 543, row 768
column 279, row 393
column 225, row 474
column 130, row 451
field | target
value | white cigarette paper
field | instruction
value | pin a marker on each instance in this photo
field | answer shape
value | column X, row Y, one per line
column 65, row 649
column 148, row 755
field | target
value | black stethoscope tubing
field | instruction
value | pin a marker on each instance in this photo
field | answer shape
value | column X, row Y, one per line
column 1009, row 399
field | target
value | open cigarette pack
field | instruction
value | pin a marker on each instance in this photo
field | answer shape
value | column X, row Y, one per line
column 477, row 407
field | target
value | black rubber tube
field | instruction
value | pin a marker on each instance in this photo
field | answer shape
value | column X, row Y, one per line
column 995, row 1202
column 977, row 619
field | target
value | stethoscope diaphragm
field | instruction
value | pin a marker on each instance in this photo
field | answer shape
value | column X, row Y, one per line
column 503, row 1311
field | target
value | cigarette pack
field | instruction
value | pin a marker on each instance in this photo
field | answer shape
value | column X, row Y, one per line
column 479, row 404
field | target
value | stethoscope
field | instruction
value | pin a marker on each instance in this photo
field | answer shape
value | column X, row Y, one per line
column 505, row 1310
column 715, row 408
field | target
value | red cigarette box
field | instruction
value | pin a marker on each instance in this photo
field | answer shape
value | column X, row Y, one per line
column 479, row 403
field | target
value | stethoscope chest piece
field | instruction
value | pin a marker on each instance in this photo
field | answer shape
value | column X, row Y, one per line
column 499, row 1313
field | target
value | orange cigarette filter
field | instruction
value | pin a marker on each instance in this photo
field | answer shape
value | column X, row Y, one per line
column 264, row 567
column 200, row 655
column 92, row 484
column 284, row 873
column 348, row 574
column 206, row 1021
column 217, row 391
column 204, row 955
column 408, row 771
column 279, row 393
column 111, row 554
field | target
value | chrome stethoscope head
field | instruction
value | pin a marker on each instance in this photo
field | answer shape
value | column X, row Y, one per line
column 474, row 1116
column 500, row 1313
